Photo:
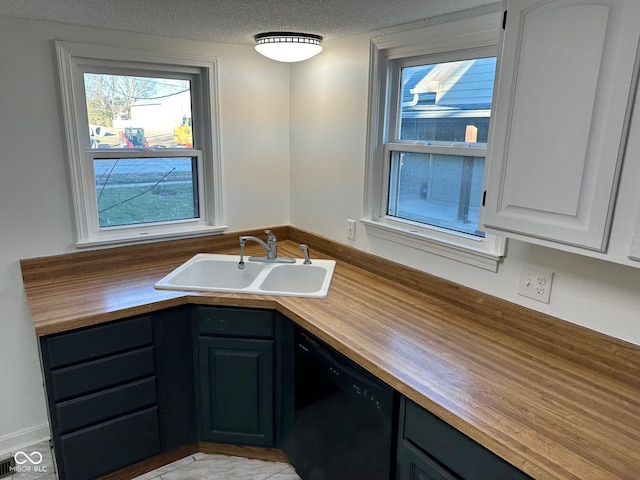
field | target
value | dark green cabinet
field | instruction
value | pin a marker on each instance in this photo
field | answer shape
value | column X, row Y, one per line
column 173, row 341
column 102, row 394
column 431, row 449
column 99, row 449
column 285, row 386
column 119, row 392
column 124, row 391
column 415, row 465
column 236, row 366
column 237, row 391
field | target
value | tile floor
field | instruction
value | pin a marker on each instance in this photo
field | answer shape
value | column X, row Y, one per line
column 199, row 466
column 39, row 453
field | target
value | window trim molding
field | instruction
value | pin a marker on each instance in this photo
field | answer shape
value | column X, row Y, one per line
column 72, row 57
column 460, row 251
column 459, row 32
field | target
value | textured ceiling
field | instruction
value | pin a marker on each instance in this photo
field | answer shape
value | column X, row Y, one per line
column 235, row 21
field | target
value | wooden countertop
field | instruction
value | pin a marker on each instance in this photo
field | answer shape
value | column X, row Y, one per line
column 556, row 400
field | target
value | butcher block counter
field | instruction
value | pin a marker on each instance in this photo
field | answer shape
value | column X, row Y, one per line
column 556, row 400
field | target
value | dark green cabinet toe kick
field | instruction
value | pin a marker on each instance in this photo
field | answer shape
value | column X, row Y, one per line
column 126, row 391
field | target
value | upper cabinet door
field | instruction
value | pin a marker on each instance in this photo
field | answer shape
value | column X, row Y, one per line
column 634, row 251
column 563, row 93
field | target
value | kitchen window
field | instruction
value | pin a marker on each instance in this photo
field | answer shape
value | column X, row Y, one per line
column 142, row 139
column 430, row 108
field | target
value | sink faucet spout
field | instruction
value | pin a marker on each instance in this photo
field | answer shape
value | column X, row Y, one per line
column 270, row 247
column 267, row 248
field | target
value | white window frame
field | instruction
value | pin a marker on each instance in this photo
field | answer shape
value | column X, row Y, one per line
column 74, row 59
column 457, row 37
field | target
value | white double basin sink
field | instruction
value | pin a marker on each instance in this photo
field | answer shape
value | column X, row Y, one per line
column 220, row 273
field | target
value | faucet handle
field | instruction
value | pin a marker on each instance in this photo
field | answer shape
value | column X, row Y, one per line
column 305, row 249
column 271, row 238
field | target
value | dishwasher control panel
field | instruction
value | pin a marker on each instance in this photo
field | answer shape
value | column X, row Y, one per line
column 367, row 395
column 350, row 376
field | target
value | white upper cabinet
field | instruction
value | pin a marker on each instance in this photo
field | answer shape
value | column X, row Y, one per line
column 562, row 106
column 634, row 251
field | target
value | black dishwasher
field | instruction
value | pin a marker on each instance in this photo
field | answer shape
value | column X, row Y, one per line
column 344, row 416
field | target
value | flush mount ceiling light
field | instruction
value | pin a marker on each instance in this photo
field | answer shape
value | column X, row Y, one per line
column 288, row 46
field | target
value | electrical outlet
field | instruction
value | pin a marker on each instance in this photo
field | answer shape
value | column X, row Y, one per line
column 351, row 229
column 535, row 283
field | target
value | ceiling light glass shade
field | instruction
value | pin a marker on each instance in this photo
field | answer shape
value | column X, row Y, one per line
column 288, row 46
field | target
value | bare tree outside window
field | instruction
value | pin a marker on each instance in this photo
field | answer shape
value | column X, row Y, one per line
column 110, row 95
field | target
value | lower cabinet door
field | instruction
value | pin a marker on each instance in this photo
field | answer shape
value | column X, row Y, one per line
column 105, row 447
column 236, row 390
column 415, row 465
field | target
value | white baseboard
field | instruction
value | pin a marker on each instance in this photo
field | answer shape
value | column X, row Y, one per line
column 16, row 441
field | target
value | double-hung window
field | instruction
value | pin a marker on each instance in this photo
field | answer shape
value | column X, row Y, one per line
column 430, row 111
column 142, row 143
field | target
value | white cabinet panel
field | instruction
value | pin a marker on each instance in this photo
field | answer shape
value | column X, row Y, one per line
column 562, row 103
column 634, row 252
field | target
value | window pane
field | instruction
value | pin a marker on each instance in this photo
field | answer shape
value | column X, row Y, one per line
column 447, row 101
column 144, row 190
column 138, row 112
column 440, row 190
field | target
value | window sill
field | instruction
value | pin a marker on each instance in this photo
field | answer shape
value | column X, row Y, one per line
column 121, row 237
column 486, row 255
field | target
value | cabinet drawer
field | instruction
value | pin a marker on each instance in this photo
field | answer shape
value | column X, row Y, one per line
column 106, row 372
column 235, row 322
column 110, row 446
column 452, row 448
column 106, row 404
column 95, row 342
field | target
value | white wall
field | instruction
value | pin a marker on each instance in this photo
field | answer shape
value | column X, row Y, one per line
column 35, row 213
column 328, row 127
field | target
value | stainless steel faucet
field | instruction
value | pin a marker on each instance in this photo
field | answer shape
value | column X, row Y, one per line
column 271, row 248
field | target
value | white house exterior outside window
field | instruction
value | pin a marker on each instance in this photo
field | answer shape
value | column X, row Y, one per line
column 429, row 111
column 143, row 143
